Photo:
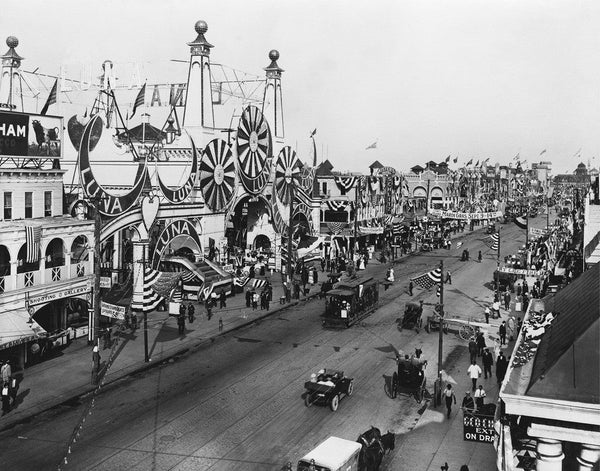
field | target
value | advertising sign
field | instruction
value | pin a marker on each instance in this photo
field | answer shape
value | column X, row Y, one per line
column 105, row 282
column 53, row 296
column 112, row 310
column 478, row 428
column 24, row 135
column 460, row 215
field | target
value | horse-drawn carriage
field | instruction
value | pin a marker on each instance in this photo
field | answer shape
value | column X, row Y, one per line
column 328, row 387
column 410, row 377
column 374, row 447
column 412, row 316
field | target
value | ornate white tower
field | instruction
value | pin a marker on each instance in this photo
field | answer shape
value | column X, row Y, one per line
column 272, row 100
column 198, row 110
column 10, row 80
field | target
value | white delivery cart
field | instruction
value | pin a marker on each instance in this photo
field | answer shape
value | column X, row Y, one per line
column 334, row 454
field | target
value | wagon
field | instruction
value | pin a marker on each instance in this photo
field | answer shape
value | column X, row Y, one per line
column 328, row 387
column 409, row 379
column 433, row 323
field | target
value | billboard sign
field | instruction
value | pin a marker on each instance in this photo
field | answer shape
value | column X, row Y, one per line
column 24, row 135
column 478, row 428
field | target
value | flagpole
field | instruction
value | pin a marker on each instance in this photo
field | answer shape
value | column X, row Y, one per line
column 441, row 337
column 356, row 188
column 498, row 268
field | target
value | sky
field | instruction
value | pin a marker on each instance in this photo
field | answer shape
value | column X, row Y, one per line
column 422, row 79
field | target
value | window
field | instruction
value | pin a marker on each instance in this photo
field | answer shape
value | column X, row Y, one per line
column 7, row 205
column 47, row 203
column 28, row 204
column 324, row 188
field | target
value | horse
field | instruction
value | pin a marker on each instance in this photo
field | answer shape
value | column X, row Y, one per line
column 374, row 448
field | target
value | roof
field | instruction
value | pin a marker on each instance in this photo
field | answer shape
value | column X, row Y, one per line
column 355, row 282
column 333, row 452
column 324, row 168
column 567, row 364
column 340, row 292
column 142, row 131
column 376, row 164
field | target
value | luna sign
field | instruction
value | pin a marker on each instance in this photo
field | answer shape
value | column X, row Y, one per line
column 108, row 205
column 180, row 227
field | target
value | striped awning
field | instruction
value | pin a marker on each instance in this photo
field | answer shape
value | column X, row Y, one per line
column 16, row 328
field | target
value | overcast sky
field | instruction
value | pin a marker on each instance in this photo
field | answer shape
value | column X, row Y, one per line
column 424, row 79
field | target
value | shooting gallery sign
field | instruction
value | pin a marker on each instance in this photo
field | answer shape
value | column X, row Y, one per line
column 26, row 135
column 180, row 227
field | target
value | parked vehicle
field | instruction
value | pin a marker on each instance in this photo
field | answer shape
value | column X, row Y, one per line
column 412, row 316
column 350, row 302
column 334, row 454
column 328, row 387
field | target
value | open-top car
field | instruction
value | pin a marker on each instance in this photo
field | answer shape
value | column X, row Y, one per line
column 328, row 387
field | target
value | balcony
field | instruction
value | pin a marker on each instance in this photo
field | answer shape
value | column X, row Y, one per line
column 45, row 276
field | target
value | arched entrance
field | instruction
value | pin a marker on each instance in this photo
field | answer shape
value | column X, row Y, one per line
column 250, row 214
column 262, row 243
column 4, row 267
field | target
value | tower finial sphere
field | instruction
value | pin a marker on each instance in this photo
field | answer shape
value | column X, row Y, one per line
column 12, row 41
column 273, row 54
column 201, row 27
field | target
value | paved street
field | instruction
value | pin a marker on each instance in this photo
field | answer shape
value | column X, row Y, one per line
column 236, row 402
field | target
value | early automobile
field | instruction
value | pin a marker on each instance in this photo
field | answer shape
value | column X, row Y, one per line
column 412, row 316
column 327, row 387
column 334, row 454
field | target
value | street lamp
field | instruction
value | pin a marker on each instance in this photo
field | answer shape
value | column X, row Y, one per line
column 171, row 131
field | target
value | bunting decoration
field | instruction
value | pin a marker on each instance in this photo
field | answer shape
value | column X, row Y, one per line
column 396, row 182
column 336, row 227
column 151, row 297
column 533, row 329
column 374, row 184
column 521, row 222
column 387, row 219
column 492, row 241
column 33, row 234
column 427, row 280
column 345, row 184
column 336, row 205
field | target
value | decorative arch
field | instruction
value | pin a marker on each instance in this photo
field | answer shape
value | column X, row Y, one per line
column 4, row 261
column 80, row 249
column 419, row 192
column 55, row 253
column 23, row 265
column 178, row 228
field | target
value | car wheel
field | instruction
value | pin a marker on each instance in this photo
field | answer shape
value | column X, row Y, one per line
column 350, row 389
column 307, row 401
column 335, row 402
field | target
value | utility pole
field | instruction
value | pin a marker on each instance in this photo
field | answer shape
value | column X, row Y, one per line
column 438, row 392
column 498, row 268
column 290, row 234
column 144, row 310
column 354, row 241
column 93, row 332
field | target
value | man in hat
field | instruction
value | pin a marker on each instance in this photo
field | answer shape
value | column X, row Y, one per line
column 488, row 361
column 468, row 405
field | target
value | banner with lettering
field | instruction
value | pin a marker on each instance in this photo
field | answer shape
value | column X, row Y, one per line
column 521, row 271
column 179, row 227
column 465, row 216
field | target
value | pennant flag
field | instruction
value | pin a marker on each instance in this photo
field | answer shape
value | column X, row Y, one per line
column 521, row 222
column 33, row 234
column 492, row 241
column 51, row 98
column 372, row 146
column 477, row 164
column 313, row 132
column 447, row 159
column 151, row 297
column 455, row 159
column 469, row 162
column 139, row 100
column 543, row 152
column 427, row 280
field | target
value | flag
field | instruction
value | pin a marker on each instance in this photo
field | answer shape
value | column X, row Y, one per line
column 477, row 164
column 543, row 152
column 314, row 131
column 372, row 146
column 139, row 100
column 33, row 234
column 469, row 162
column 151, row 298
column 521, row 222
column 51, row 98
column 492, row 241
column 427, row 280
column 516, row 157
column 447, row 159
column 85, row 114
column 455, row 159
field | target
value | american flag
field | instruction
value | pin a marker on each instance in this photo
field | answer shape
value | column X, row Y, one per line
column 33, row 234
column 151, row 298
column 139, row 100
column 51, row 98
column 427, row 280
column 241, row 281
column 492, row 241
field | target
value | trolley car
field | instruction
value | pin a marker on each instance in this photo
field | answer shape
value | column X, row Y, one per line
column 350, row 302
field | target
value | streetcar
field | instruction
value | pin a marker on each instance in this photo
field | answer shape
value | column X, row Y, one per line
column 350, row 301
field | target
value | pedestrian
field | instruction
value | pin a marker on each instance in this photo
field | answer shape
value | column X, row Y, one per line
column 472, row 350
column 95, row 364
column 479, row 397
column 182, row 309
column 5, row 398
column 496, row 309
column 181, row 324
column 248, row 298
column 488, row 361
column 223, row 299
column 191, row 310
column 501, row 366
column 474, row 373
column 450, row 397
column 519, row 324
column 502, row 333
column 6, row 372
column 468, row 406
column 263, row 304
column 254, row 300
column 220, row 324
column 410, row 287
column 448, row 277
column 487, row 315
column 507, row 300
column 480, row 340
column 267, row 300
column 479, row 257
column 209, row 306
column 322, row 264
column 134, row 321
